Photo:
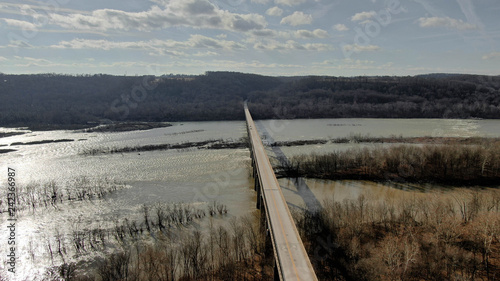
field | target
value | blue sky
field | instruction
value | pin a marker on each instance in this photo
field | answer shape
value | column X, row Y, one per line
column 271, row 37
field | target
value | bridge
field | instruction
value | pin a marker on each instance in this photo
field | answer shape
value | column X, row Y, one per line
column 291, row 260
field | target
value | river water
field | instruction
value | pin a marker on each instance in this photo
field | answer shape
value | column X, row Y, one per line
column 196, row 176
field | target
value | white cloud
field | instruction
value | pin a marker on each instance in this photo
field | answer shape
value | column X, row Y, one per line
column 36, row 60
column 265, row 33
column 33, row 9
column 317, row 33
column 350, row 64
column 271, row 33
column 340, row 27
column 193, row 13
column 327, row 62
column 446, row 22
column 274, row 11
column 358, row 48
column 242, row 65
column 205, row 54
column 274, row 45
column 201, row 41
column 154, row 47
column 3, row 59
column 492, row 55
column 21, row 24
column 19, row 44
column 363, row 16
column 318, row 47
column 108, row 45
column 297, row 18
column 290, row 2
column 260, row 1
column 31, row 60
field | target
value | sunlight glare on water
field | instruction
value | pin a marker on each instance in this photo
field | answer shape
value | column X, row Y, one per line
column 197, row 176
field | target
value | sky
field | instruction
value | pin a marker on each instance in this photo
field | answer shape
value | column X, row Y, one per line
column 269, row 37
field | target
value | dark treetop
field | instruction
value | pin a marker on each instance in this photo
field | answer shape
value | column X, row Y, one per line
column 46, row 101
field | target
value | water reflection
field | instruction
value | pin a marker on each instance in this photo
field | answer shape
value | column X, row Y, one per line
column 198, row 176
column 341, row 190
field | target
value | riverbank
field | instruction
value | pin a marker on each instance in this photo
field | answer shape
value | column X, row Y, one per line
column 357, row 138
column 89, row 128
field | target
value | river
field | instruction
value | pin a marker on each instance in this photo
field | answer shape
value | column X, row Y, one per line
column 197, row 176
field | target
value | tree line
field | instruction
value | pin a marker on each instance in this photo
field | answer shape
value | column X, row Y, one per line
column 449, row 164
column 45, row 101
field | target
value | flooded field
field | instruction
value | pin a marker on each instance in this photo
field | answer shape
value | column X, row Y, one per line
column 197, row 177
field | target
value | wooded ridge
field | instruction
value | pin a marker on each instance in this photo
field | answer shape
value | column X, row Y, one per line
column 53, row 101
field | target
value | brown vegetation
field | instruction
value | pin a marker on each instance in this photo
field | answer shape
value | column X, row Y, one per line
column 41, row 142
column 35, row 195
column 359, row 138
column 9, row 134
column 232, row 252
column 455, row 236
column 451, row 164
column 166, row 244
column 208, row 144
column 126, row 127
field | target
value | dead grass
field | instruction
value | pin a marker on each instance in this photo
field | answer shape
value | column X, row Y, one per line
column 455, row 236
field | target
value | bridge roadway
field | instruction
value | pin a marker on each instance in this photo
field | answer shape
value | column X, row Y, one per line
column 291, row 260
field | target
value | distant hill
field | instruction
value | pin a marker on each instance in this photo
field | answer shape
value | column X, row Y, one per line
column 63, row 101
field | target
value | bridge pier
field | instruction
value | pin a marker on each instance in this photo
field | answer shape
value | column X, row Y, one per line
column 259, row 199
column 257, row 183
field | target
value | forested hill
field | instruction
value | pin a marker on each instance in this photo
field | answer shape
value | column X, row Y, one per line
column 62, row 101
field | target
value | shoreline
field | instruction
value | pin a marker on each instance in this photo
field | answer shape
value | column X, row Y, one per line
column 393, row 140
column 111, row 127
column 455, row 164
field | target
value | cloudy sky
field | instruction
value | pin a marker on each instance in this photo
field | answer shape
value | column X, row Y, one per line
column 273, row 37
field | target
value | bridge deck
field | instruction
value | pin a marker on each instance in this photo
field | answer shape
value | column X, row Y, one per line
column 291, row 258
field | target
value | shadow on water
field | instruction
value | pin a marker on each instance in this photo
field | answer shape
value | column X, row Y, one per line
column 303, row 190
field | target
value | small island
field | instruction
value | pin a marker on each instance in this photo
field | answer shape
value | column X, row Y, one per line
column 126, row 127
column 10, row 134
